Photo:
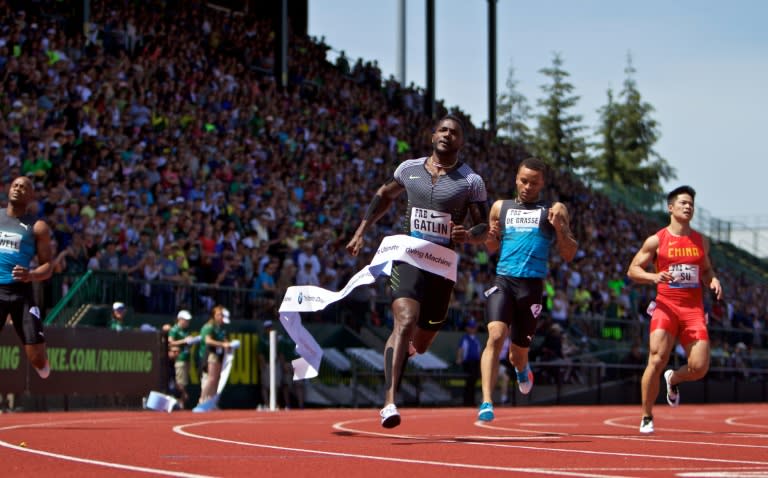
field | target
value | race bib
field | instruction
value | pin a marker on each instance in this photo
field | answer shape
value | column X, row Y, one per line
column 522, row 220
column 430, row 225
column 686, row 276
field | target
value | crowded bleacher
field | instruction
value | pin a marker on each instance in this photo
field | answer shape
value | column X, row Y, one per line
column 162, row 146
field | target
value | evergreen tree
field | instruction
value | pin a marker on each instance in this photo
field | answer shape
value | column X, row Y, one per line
column 512, row 112
column 606, row 168
column 559, row 137
column 628, row 134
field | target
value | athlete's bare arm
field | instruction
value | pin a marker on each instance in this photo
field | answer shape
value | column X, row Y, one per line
column 380, row 203
column 493, row 239
column 43, row 248
column 708, row 277
column 479, row 230
column 566, row 243
column 637, row 268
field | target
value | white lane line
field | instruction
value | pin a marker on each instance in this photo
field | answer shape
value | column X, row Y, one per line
column 180, row 429
column 88, row 461
column 650, row 438
column 342, row 426
column 733, row 421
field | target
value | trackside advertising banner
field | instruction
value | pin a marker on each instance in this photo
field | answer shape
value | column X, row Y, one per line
column 85, row 361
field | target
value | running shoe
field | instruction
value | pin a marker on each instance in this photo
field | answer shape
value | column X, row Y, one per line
column 45, row 371
column 673, row 394
column 485, row 414
column 646, row 425
column 525, row 380
column 390, row 417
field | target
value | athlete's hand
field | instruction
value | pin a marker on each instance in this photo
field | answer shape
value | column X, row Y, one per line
column 558, row 216
column 459, row 233
column 20, row 274
column 355, row 244
column 495, row 231
column 664, row 276
column 716, row 288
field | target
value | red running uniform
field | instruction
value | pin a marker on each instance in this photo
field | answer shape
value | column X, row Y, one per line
column 679, row 304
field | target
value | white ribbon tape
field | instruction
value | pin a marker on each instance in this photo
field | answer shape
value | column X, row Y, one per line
column 423, row 254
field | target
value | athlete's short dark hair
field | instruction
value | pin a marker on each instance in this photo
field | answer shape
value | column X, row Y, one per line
column 680, row 190
column 452, row 118
column 535, row 164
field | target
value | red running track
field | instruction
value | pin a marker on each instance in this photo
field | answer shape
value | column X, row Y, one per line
column 595, row 441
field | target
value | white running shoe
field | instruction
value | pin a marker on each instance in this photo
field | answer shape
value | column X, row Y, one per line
column 390, row 417
column 673, row 393
column 646, row 425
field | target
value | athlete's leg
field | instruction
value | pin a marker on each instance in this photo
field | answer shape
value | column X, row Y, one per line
column 406, row 315
column 37, row 355
column 659, row 347
column 422, row 339
column 518, row 356
column 489, row 360
column 698, row 363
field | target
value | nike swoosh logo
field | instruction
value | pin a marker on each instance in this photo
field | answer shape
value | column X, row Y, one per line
column 432, row 322
column 435, row 216
column 413, row 177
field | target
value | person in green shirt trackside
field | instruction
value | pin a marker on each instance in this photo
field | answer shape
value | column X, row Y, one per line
column 213, row 345
column 179, row 336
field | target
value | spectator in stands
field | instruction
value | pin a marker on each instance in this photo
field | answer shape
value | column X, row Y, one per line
column 117, row 319
column 262, row 295
column 683, row 270
column 743, row 330
column 740, row 359
column 421, row 298
column 523, row 229
column 468, row 358
column 560, row 308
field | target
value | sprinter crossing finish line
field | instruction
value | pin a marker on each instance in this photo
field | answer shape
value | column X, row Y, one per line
column 423, row 254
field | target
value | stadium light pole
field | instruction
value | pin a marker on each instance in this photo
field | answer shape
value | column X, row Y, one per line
column 492, row 66
column 429, row 96
column 281, row 45
column 401, row 42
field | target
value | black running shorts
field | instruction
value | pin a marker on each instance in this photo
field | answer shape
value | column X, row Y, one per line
column 517, row 303
column 18, row 301
column 432, row 291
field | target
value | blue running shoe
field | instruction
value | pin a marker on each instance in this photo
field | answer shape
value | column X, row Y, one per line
column 486, row 412
column 525, row 380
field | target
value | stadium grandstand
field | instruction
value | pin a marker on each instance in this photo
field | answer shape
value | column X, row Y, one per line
column 175, row 172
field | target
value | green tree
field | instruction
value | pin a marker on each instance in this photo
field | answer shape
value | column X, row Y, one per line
column 512, row 112
column 606, row 168
column 559, row 137
column 626, row 155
